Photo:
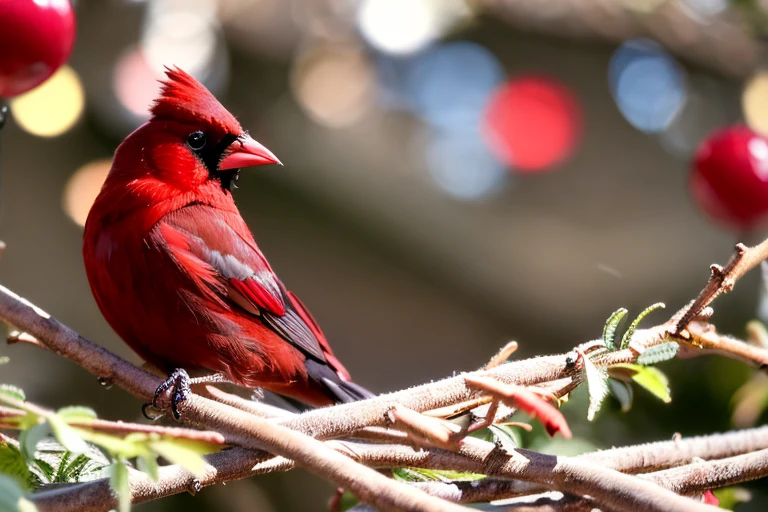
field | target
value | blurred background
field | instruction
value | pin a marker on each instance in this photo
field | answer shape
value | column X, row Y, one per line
column 457, row 174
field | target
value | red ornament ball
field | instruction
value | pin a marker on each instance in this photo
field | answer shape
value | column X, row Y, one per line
column 532, row 123
column 36, row 38
column 729, row 180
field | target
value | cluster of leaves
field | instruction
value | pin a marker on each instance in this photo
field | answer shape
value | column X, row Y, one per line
column 618, row 378
column 61, row 447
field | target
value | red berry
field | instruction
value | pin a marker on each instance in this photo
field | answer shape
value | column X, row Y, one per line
column 730, row 177
column 36, row 38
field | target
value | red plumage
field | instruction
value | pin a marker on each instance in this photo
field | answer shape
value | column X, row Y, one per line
column 176, row 271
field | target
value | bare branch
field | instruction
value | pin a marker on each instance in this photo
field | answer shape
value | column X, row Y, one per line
column 237, row 463
column 701, row 476
column 501, row 356
column 703, row 338
column 425, row 430
column 723, row 279
column 691, row 479
column 256, row 408
column 23, row 337
column 121, row 427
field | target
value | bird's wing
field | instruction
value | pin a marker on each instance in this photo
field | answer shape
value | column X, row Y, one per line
column 208, row 244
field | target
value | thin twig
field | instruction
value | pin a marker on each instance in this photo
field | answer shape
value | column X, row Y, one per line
column 23, row 337
column 723, row 279
column 703, row 338
column 502, row 355
column 256, row 408
column 120, row 427
column 425, row 430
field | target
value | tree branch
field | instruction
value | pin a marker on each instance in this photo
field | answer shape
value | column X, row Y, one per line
column 723, row 279
column 247, row 430
column 240, row 463
column 690, row 479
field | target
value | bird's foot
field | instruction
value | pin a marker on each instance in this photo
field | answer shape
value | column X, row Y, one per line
column 178, row 384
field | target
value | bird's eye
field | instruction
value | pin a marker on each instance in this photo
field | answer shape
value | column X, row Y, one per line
column 196, row 140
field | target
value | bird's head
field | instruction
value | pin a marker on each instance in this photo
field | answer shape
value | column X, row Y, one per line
column 191, row 143
column 197, row 138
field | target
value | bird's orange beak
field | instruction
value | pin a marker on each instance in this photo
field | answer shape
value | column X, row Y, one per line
column 246, row 152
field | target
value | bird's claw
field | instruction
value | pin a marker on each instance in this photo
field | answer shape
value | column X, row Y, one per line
column 179, row 385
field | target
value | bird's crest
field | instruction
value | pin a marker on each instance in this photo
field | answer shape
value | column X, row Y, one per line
column 182, row 98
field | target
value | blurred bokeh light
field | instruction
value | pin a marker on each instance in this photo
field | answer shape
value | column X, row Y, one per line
column 703, row 111
column 706, row 9
column 755, row 102
column 533, row 123
column 82, row 188
column 462, row 166
column 136, row 83
column 449, row 86
column 52, row 108
column 406, row 26
column 648, row 84
column 182, row 32
column 334, row 84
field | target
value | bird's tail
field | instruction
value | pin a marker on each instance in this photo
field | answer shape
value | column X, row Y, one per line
column 347, row 391
column 335, row 388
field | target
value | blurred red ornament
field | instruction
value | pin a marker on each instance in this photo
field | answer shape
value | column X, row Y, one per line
column 36, row 37
column 730, row 177
column 532, row 123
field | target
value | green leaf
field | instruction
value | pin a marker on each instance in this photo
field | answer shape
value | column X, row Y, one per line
column 408, row 475
column 652, row 379
column 63, row 462
column 73, row 471
column 185, row 452
column 132, row 445
column 609, row 331
column 731, row 496
column 55, row 464
column 70, row 438
column 12, row 496
column 148, row 464
column 597, row 387
column 118, row 480
column 30, row 437
column 26, row 421
column 76, row 413
column 633, row 326
column 12, row 392
column 658, row 353
column 623, row 393
column 13, row 463
column 347, row 501
column 433, row 475
column 47, row 472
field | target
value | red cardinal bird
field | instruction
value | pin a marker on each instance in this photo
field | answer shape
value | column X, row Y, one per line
column 178, row 275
